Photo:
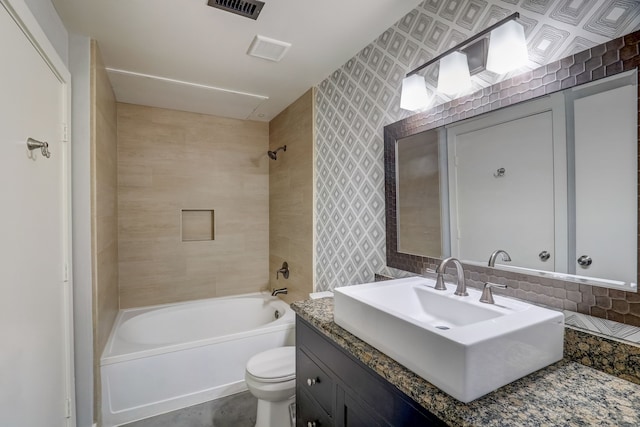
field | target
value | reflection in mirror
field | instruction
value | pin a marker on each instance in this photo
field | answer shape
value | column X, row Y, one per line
column 604, row 180
column 552, row 181
column 503, row 182
column 418, row 192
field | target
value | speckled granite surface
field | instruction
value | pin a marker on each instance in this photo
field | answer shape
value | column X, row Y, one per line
column 606, row 355
column 563, row 394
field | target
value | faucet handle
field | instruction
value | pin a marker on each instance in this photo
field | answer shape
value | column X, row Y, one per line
column 487, row 295
column 284, row 270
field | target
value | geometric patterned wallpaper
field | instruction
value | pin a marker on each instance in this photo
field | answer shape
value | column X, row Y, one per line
column 357, row 100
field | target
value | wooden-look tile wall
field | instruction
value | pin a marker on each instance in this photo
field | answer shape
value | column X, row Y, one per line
column 104, row 215
column 172, row 160
column 291, row 227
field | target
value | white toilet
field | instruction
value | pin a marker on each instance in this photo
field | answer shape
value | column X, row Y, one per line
column 271, row 377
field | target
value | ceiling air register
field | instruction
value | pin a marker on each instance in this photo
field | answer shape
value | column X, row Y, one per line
column 247, row 8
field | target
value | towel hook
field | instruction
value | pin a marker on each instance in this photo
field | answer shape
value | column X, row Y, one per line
column 500, row 172
column 33, row 144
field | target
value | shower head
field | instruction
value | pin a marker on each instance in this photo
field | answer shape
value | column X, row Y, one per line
column 273, row 155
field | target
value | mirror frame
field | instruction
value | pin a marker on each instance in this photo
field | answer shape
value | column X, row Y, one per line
column 608, row 59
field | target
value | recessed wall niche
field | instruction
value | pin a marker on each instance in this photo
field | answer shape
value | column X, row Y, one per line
column 198, row 225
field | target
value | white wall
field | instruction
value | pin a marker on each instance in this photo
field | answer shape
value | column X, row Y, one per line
column 52, row 26
column 79, row 64
column 75, row 52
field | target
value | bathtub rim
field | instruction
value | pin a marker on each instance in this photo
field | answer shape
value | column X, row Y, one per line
column 287, row 321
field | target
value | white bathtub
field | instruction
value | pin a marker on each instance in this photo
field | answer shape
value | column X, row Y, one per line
column 167, row 357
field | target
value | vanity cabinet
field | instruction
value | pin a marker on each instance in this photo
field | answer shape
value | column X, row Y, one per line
column 335, row 389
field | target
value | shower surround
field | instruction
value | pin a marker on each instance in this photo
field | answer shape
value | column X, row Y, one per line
column 169, row 161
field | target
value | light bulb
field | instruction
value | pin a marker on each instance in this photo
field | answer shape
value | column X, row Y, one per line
column 454, row 77
column 414, row 93
column 507, row 48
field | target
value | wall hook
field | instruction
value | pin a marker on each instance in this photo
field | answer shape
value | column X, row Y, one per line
column 499, row 173
column 33, row 144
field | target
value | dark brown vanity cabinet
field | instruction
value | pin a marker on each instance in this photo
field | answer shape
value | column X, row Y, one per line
column 335, row 389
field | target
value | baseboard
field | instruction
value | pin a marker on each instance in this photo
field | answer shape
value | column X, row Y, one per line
column 159, row 408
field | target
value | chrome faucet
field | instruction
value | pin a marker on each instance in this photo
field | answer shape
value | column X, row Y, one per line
column 494, row 255
column 461, row 290
column 279, row 291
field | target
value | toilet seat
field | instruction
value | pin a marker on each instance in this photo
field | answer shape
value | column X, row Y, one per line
column 275, row 365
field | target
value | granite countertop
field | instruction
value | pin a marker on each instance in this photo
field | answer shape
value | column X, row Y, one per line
column 563, row 394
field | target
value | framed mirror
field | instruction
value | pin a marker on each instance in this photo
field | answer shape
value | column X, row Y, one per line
column 567, row 186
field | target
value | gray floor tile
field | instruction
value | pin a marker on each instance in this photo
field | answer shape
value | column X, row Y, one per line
column 238, row 410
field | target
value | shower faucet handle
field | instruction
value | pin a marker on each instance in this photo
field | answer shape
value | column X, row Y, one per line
column 284, row 270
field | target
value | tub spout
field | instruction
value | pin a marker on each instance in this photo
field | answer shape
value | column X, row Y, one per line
column 279, row 291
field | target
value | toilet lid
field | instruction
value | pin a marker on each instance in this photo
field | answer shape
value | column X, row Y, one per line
column 277, row 364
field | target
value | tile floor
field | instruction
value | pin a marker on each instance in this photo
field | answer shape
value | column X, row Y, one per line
column 238, row 410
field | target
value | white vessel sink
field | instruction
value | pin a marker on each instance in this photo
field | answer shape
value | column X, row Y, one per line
column 462, row 346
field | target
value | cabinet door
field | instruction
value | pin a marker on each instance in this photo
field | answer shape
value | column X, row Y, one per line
column 308, row 413
column 355, row 413
column 360, row 396
column 312, row 378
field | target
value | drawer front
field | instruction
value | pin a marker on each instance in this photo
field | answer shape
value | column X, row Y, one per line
column 311, row 378
column 308, row 413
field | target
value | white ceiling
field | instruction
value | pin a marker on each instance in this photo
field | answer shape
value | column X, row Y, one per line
column 185, row 55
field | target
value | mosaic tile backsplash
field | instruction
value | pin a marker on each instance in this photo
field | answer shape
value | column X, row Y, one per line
column 355, row 103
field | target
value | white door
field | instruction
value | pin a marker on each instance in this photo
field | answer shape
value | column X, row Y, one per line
column 34, row 319
column 502, row 189
column 606, row 142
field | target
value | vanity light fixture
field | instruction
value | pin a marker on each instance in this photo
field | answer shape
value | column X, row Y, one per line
column 507, row 51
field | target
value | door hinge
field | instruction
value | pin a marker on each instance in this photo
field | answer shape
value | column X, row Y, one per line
column 65, row 132
column 66, row 273
column 68, row 408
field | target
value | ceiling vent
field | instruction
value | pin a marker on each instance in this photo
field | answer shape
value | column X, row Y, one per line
column 266, row 48
column 247, row 8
